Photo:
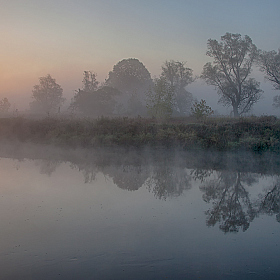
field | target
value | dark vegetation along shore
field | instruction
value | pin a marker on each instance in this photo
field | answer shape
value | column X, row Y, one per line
column 253, row 133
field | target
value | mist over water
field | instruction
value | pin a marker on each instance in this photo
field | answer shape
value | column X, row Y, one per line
column 138, row 214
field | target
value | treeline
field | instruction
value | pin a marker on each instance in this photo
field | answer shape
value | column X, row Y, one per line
column 255, row 133
column 130, row 91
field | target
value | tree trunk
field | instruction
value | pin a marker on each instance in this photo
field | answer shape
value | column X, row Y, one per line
column 235, row 111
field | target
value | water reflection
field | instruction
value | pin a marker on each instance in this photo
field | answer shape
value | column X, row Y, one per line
column 270, row 201
column 168, row 181
column 48, row 166
column 229, row 194
column 225, row 180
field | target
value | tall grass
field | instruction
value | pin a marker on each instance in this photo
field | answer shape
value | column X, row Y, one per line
column 254, row 133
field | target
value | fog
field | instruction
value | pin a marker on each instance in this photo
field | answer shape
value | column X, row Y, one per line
column 86, row 197
column 66, row 40
column 21, row 99
column 129, row 213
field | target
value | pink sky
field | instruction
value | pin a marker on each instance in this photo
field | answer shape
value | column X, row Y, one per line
column 64, row 38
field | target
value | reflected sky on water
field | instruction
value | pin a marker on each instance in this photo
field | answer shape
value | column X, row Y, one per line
column 138, row 214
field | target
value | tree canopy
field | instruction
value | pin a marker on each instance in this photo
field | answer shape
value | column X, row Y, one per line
column 47, row 95
column 90, row 82
column 4, row 105
column 179, row 76
column 131, row 78
column 200, row 110
column 230, row 71
column 269, row 63
column 100, row 102
column 160, row 99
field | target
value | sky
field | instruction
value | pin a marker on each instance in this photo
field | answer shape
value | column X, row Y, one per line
column 64, row 38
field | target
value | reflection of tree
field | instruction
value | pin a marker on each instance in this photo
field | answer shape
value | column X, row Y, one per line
column 270, row 202
column 232, row 207
column 48, row 166
column 89, row 170
column 201, row 174
column 128, row 177
column 167, row 180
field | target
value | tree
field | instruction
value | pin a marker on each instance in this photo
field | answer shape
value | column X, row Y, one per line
column 230, row 72
column 200, row 110
column 179, row 76
column 94, row 101
column 100, row 102
column 90, row 83
column 47, row 95
column 160, row 99
column 269, row 63
column 132, row 79
column 5, row 105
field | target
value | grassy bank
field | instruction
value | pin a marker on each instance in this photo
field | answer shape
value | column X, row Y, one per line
column 254, row 133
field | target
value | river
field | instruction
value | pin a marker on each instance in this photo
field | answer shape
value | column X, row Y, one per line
column 138, row 214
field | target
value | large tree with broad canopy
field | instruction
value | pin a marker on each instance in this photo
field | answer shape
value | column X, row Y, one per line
column 230, row 71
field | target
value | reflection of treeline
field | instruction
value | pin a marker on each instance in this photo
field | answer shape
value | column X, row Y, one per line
column 258, row 133
column 225, row 179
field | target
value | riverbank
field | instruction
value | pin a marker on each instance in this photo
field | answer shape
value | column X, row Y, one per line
column 254, row 133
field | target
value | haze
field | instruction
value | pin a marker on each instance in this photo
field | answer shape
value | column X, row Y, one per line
column 65, row 38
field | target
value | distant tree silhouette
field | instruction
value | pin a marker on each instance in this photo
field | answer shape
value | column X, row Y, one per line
column 132, row 79
column 90, row 83
column 101, row 102
column 5, row 105
column 47, row 96
column 269, row 63
column 179, row 76
column 92, row 100
column 230, row 72
column 160, row 99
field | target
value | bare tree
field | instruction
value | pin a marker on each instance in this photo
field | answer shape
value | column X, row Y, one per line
column 230, row 72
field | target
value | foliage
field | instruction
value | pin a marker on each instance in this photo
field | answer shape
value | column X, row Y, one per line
column 4, row 105
column 276, row 101
column 90, row 83
column 160, row 99
column 229, row 73
column 200, row 110
column 179, row 76
column 96, row 103
column 256, row 133
column 47, row 96
column 269, row 63
column 131, row 78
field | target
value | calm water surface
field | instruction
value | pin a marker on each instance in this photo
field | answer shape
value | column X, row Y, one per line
column 145, row 214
